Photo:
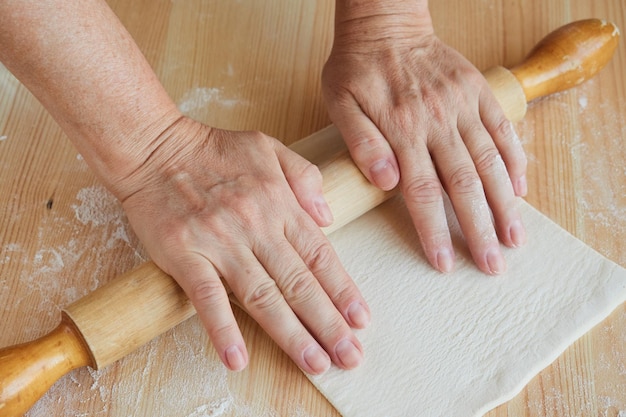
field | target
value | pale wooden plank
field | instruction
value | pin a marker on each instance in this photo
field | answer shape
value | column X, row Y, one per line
column 264, row 60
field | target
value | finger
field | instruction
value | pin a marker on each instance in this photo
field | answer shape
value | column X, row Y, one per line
column 306, row 297
column 496, row 183
column 322, row 260
column 368, row 147
column 263, row 300
column 204, row 288
column 423, row 194
column 506, row 140
column 464, row 187
column 305, row 180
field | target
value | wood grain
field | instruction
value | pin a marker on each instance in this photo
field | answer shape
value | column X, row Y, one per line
column 29, row 370
column 256, row 65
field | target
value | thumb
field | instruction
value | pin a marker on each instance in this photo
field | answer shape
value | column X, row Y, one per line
column 305, row 180
column 368, row 147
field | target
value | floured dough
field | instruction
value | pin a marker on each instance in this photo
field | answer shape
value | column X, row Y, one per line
column 460, row 344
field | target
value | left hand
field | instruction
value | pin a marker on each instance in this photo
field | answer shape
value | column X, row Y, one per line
column 209, row 204
column 414, row 112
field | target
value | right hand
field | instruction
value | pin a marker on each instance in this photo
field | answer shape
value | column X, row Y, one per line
column 211, row 204
column 415, row 113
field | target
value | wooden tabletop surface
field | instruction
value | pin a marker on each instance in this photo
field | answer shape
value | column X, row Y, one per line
column 250, row 64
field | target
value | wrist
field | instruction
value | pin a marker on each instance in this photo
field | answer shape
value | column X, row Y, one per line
column 97, row 84
column 116, row 152
column 164, row 159
column 378, row 21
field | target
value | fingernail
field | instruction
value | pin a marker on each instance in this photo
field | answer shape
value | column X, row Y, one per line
column 495, row 261
column 348, row 354
column 235, row 358
column 521, row 186
column 384, row 174
column 316, row 359
column 359, row 316
column 517, row 233
column 445, row 260
column 324, row 211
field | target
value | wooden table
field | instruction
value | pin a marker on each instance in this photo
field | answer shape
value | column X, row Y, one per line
column 251, row 64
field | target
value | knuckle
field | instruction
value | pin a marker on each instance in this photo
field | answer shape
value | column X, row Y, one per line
column 473, row 132
column 222, row 332
column 298, row 340
column 260, row 138
column 474, row 79
column 299, row 287
column 464, row 180
column 333, row 330
column 207, row 293
column 512, row 147
column 245, row 203
column 174, row 235
column 424, row 190
column 503, row 128
column 320, row 258
column 488, row 160
column 341, row 93
column 366, row 145
column 249, row 142
column 264, row 296
column 311, row 173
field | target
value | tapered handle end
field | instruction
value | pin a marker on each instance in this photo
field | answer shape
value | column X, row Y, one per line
column 567, row 57
column 28, row 370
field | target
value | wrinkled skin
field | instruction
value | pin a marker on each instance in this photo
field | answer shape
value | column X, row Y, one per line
column 414, row 112
column 229, row 205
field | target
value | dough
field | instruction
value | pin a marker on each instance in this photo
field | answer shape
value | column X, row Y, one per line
column 460, row 344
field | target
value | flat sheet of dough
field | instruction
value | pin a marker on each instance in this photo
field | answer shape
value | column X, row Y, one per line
column 463, row 343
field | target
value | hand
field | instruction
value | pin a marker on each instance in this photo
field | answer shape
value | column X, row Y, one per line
column 413, row 111
column 208, row 204
column 240, row 206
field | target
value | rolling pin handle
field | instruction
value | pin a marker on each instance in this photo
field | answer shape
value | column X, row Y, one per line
column 28, row 370
column 567, row 57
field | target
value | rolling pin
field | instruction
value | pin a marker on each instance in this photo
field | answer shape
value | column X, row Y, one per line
column 136, row 307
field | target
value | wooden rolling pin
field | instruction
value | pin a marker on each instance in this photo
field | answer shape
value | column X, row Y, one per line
column 136, row 307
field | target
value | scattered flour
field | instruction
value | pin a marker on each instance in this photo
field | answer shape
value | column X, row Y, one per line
column 48, row 261
column 604, row 206
column 230, row 70
column 296, row 410
column 97, row 206
column 556, row 402
column 8, row 251
column 3, row 137
column 188, row 380
column 213, row 409
column 604, row 209
column 202, row 97
column 175, row 375
column 50, row 275
column 601, row 205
